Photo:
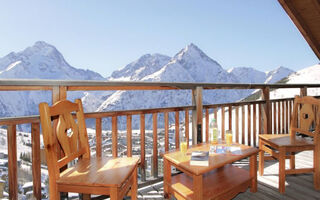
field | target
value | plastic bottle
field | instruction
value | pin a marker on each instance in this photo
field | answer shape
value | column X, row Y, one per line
column 214, row 132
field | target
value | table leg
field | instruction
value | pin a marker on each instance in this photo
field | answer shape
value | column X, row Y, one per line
column 166, row 178
column 198, row 187
column 253, row 172
column 282, row 167
column 261, row 158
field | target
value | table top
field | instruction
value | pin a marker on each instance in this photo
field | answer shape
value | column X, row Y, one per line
column 216, row 160
column 286, row 140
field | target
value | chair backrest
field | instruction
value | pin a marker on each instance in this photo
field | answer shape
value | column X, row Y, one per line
column 59, row 128
column 306, row 116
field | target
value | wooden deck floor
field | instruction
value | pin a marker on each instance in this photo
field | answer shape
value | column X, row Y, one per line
column 298, row 187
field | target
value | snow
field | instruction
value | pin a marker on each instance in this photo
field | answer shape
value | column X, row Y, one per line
column 11, row 66
column 40, row 61
column 307, row 75
column 251, row 75
column 191, row 64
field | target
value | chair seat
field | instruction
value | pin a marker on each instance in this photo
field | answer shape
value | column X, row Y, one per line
column 110, row 172
column 282, row 140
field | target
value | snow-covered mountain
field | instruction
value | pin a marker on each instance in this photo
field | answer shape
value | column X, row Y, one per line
column 277, row 74
column 251, row 75
column 40, row 61
column 191, row 64
column 307, row 75
column 144, row 66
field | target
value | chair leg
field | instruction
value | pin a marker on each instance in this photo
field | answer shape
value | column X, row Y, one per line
column 114, row 193
column 134, row 186
column 261, row 158
column 316, row 165
column 253, row 172
column 293, row 160
column 282, row 167
column 53, row 191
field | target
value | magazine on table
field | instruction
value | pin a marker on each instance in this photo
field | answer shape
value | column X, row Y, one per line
column 199, row 158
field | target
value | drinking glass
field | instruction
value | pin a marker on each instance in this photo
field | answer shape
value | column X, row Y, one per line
column 183, row 144
column 229, row 137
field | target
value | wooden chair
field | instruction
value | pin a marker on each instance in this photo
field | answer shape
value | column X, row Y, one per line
column 102, row 176
column 305, row 120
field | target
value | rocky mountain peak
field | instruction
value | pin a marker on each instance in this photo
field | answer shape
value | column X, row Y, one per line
column 191, row 51
column 41, row 48
column 144, row 66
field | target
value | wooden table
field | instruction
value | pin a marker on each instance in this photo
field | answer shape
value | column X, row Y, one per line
column 220, row 180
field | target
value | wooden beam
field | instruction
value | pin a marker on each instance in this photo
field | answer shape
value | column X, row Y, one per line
column 298, row 20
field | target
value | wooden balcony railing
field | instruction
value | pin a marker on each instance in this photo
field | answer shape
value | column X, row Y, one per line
column 246, row 119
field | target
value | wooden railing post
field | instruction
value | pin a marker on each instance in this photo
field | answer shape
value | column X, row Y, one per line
column 129, row 135
column 166, row 131
column 114, row 136
column 98, row 137
column 177, row 130
column 222, row 122
column 36, row 161
column 230, row 117
column 237, row 124
column 155, row 145
column 249, row 124
column 197, row 115
column 12, row 162
column 254, row 128
column 266, row 111
column 207, row 125
column 187, row 126
column 59, row 93
column 303, row 91
column 142, row 147
column 243, row 135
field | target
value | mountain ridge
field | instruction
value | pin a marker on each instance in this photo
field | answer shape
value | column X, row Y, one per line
column 190, row 64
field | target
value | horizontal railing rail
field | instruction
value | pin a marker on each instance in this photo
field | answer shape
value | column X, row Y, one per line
column 31, row 84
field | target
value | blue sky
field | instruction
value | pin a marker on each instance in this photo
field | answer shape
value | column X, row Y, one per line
column 106, row 35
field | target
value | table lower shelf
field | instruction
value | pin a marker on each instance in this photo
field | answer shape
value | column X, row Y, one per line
column 222, row 183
